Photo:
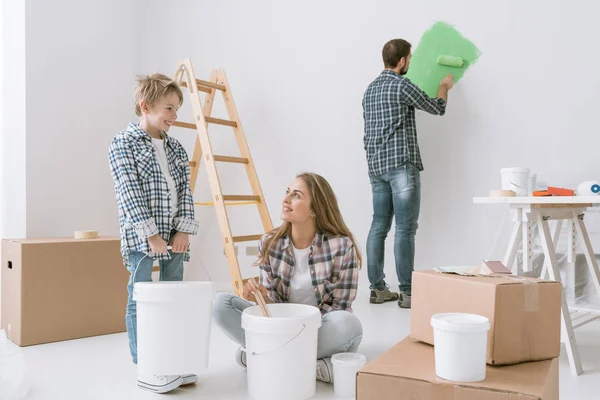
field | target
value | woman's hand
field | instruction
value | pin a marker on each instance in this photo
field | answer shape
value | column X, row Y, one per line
column 250, row 287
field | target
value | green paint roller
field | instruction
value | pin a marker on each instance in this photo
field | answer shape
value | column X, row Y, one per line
column 450, row 61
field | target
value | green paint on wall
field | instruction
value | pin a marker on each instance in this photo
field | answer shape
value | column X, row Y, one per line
column 440, row 39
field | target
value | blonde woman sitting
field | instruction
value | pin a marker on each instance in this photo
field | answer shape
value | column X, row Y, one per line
column 312, row 258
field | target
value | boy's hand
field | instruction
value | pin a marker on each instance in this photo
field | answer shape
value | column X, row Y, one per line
column 157, row 244
column 180, row 242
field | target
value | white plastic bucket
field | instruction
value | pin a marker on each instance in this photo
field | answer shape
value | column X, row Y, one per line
column 345, row 367
column 173, row 326
column 516, row 179
column 460, row 346
column 281, row 351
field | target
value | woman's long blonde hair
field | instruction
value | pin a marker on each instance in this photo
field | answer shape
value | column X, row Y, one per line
column 328, row 218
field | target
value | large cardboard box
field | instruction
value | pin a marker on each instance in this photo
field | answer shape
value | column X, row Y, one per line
column 407, row 371
column 524, row 313
column 60, row 289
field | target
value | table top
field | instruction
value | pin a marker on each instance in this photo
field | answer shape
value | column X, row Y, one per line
column 595, row 200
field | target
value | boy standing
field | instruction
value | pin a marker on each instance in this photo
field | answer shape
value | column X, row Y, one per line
column 151, row 177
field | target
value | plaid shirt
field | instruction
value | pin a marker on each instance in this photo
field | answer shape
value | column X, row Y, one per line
column 143, row 196
column 390, row 128
column 333, row 268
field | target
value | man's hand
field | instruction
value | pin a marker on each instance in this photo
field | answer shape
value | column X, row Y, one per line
column 447, row 81
column 249, row 289
column 157, row 244
column 180, row 242
column 445, row 85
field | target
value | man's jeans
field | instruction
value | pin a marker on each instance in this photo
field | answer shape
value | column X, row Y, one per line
column 170, row 270
column 397, row 193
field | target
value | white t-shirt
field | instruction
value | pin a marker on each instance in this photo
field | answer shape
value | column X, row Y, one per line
column 161, row 154
column 301, row 288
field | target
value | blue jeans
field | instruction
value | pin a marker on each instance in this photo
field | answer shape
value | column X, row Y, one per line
column 396, row 194
column 170, row 270
column 340, row 331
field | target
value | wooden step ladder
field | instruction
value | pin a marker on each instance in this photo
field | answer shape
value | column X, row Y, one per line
column 185, row 77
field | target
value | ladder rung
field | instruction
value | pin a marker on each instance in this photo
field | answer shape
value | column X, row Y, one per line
column 234, row 203
column 238, row 160
column 211, row 120
column 156, row 269
column 247, row 238
column 236, row 197
column 184, row 124
column 201, row 88
column 212, row 85
column 206, row 86
column 220, row 121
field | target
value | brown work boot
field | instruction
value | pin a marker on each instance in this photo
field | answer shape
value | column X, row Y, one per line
column 383, row 295
column 404, row 301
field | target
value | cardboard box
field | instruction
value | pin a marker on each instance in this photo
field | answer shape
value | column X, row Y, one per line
column 407, row 371
column 524, row 313
column 60, row 289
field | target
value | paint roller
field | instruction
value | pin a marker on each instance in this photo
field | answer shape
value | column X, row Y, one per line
column 450, row 61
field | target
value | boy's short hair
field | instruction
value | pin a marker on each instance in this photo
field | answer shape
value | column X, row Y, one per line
column 152, row 87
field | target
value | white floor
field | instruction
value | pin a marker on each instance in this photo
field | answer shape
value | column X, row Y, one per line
column 100, row 367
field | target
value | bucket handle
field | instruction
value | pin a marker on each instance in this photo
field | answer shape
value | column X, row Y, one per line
column 278, row 348
column 138, row 265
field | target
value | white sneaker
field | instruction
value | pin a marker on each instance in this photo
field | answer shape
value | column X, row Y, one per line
column 325, row 370
column 160, row 383
column 189, row 379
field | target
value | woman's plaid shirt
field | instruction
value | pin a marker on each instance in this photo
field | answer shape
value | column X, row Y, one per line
column 333, row 269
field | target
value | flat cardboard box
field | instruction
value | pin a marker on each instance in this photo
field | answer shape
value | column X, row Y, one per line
column 62, row 288
column 524, row 313
column 407, row 371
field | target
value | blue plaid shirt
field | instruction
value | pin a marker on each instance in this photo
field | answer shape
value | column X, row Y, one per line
column 143, row 197
column 389, row 105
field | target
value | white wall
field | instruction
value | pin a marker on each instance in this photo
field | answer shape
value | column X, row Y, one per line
column 68, row 82
column 13, row 123
column 80, row 70
column 298, row 72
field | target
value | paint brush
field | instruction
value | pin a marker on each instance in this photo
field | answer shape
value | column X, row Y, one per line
column 262, row 304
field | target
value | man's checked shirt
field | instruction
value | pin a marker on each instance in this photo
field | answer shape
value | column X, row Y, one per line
column 390, row 127
column 333, row 269
column 143, row 196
